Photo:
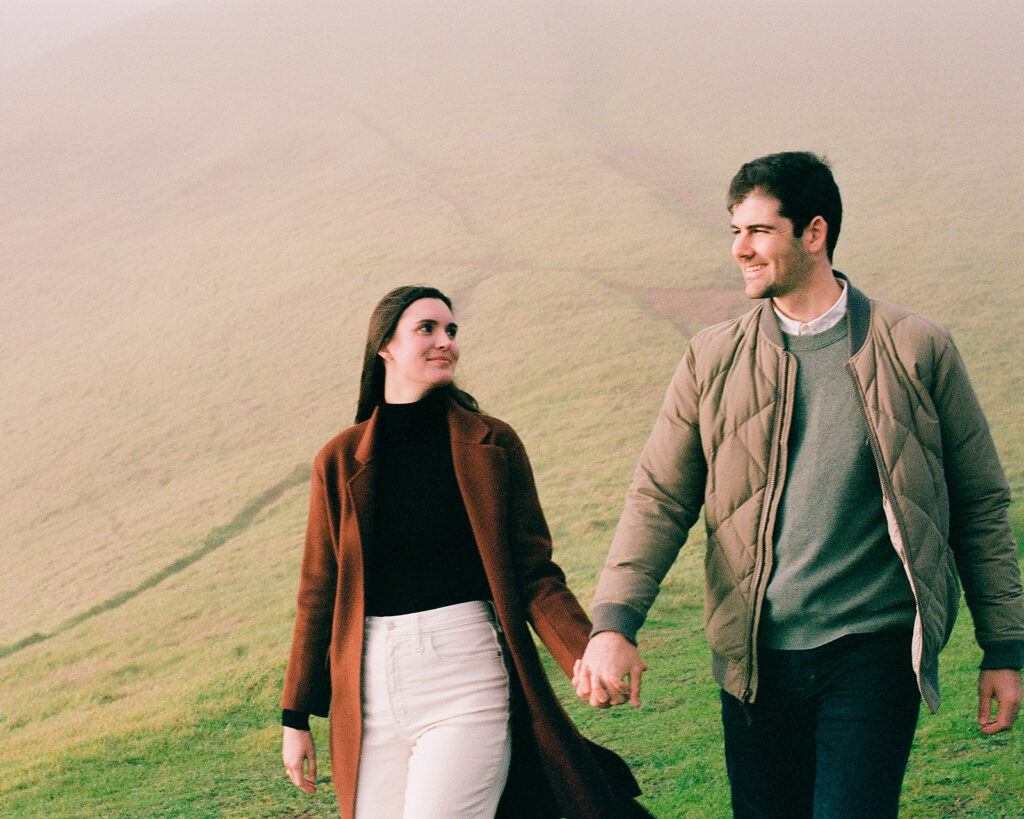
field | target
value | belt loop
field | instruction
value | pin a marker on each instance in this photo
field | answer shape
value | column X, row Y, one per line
column 418, row 627
column 492, row 611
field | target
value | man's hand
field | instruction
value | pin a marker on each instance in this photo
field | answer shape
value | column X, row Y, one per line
column 600, row 677
column 297, row 748
column 1004, row 686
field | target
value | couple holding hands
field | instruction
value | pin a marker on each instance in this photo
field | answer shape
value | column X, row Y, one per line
column 849, row 486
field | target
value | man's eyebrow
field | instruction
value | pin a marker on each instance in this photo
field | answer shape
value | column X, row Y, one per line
column 755, row 226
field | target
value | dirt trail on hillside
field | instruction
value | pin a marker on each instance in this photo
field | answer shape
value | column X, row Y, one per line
column 690, row 310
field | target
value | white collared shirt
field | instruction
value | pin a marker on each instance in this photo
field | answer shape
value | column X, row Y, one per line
column 826, row 321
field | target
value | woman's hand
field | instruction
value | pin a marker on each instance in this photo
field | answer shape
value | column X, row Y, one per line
column 609, row 672
column 297, row 749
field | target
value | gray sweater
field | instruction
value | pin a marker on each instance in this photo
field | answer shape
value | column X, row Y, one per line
column 835, row 571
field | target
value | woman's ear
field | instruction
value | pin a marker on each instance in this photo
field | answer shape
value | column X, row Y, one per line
column 385, row 355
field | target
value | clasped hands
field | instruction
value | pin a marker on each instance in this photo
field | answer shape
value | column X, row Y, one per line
column 609, row 672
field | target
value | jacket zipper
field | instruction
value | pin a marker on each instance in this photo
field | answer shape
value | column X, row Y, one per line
column 887, row 496
column 876, row 450
column 762, row 536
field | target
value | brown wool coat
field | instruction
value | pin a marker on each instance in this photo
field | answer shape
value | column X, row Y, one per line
column 552, row 763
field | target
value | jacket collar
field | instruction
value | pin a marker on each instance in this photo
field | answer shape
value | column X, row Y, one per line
column 858, row 317
column 365, row 449
column 858, row 313
column 464, row 426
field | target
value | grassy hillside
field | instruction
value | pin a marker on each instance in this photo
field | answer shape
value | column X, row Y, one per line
column 198, row 210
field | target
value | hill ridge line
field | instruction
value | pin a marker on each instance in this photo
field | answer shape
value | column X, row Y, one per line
column 216, row 538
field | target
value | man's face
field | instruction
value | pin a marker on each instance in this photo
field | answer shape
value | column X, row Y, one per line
column 773, row 261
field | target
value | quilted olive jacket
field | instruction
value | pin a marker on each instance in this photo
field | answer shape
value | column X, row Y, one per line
column 720, row 442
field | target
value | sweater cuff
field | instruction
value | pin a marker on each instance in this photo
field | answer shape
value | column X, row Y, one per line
column 299, row 720
column 616, row 617
column 1003, row 655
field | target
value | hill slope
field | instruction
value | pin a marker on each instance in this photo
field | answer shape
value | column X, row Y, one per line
column 199, row 208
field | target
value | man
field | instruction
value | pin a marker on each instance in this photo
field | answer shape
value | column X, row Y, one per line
column 848, row 480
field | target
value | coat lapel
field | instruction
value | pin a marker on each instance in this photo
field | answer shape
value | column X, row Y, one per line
column 361, row 484
column 482, row 474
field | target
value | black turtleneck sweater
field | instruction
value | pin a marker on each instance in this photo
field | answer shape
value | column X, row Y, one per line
column 422, row 554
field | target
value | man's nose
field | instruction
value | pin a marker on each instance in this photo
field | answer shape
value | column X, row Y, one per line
column 741, row 247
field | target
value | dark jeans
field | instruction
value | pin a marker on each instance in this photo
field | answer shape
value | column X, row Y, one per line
column 829, row 733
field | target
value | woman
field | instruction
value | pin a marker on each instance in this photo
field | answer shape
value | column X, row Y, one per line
column 426, row 555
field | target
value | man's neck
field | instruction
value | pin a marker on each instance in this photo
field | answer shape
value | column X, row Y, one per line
column 812, row 301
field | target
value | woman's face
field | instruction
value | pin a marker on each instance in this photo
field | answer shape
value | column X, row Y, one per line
column 422, row 353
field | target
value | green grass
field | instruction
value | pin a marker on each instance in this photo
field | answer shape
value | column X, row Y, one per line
column 214, row 540
column 214, row 752
column 219, row 759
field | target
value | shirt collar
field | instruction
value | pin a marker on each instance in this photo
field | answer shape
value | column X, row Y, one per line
column 826, row 321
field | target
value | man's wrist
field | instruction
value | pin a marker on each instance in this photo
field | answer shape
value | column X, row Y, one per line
column 619, row 618
column 1009, row 654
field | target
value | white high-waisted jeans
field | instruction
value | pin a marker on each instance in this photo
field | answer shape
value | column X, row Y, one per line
column 436, row 740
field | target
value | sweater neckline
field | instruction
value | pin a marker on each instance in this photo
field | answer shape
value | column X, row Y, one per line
column 419, row 419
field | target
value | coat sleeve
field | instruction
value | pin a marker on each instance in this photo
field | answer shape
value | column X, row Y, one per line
column 662, row 504
column 307, row 686
column 980, row 533
column 552, row 609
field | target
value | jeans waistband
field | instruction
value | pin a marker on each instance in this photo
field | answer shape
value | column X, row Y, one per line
column 418, row 622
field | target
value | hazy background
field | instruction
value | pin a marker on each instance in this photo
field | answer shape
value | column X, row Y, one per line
column 200, row 202
column 29, row 28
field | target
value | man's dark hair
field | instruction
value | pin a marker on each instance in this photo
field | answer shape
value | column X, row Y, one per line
column 803, row 184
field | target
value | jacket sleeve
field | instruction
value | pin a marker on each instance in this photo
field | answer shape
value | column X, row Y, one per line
column 307, row 686
column 552, row 609
column 980, row 533
column 662, row 503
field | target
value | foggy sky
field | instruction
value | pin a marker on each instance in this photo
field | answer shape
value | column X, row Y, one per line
column 29, row 28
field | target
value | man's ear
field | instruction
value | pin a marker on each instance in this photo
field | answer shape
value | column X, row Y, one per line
column 815, row 235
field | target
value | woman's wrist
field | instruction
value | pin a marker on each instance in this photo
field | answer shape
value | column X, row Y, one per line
column 299, row 720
